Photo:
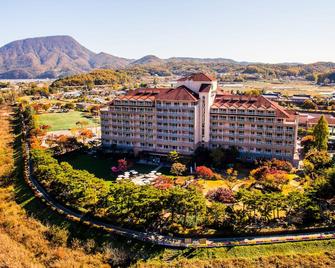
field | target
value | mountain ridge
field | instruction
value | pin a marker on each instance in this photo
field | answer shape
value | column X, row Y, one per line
column 62, row 55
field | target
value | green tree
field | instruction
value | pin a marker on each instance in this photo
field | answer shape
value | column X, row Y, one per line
column 321, row 134
column 218, row 156
column 173, row 156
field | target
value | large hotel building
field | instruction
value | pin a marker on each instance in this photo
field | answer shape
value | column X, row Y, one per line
column 197, row 113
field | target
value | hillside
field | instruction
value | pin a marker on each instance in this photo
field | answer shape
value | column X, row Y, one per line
column 148, row 60
column 97, row 77
column 24, row 240
column 49, row 57
column 59, row 56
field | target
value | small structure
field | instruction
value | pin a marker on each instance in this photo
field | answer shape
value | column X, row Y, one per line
column 300, row 98
column 72, row 94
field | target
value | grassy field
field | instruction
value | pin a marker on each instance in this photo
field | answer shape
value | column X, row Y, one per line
column 286, row 88
column 63, row 121
column 301, row 254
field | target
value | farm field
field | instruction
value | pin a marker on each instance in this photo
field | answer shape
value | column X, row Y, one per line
column 63, row 121
column 285, row 88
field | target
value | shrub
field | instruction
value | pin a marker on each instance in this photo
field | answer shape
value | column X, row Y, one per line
column 178, row 169
column 222, row 195
column 204, row 172
column 56, row 235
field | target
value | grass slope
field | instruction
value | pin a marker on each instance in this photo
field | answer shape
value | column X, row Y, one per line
column 301, row 254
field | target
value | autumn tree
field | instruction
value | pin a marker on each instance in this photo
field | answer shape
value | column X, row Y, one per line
column 204, row 172
column 82, row 123
column 85, row 134
column 309, row 104
column 307, row 143
column 178, row 169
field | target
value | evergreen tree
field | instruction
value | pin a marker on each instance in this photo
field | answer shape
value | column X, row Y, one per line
column 321, row 133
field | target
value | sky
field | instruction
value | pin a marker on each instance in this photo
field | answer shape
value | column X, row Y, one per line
column 245, row 30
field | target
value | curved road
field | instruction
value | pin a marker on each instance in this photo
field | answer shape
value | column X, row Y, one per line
column 158, row 239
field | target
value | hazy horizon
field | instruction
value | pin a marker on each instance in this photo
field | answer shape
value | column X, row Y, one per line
column 285, row 32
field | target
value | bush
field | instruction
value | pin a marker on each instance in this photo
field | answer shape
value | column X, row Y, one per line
column 178, row 169
column 56, row 235
column 222, row 195
column 204, row 172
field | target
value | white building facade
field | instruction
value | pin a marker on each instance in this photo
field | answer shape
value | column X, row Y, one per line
column 196, row 113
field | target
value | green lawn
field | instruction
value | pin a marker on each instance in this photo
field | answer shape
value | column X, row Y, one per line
column 299, row 254
column 100, row 166
column 63, row 121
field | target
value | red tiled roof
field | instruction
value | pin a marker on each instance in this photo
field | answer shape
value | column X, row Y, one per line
column 141, row 94
column 250, row 102
column 201, row 77
column 313, row 119
column 181, row 93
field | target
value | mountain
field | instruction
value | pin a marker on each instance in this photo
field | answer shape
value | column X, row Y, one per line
column 148, row 60
column 57, row 56
column 107, row 61
column 52, row 56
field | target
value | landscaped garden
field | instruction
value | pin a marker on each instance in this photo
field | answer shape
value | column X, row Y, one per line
column 214, row 199
column 64, row 121
column 100, row 165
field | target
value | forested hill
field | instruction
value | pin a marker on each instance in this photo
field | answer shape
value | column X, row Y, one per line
column 60, row 56
column 97, row 77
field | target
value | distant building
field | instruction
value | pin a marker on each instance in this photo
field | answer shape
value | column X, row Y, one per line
column 83, row 106
column 72, row 94
column 300, row 98
column 197, row 113
column 272, row 96
column 309, row 120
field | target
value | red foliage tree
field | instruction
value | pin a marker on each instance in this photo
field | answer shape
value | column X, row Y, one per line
column 163, row 183
column 204, row 172
column 122, row 166
column 223, row 195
